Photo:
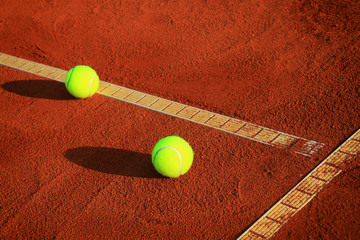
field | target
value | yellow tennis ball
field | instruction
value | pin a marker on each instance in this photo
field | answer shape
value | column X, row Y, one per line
column 82, row 81
column 172, row 156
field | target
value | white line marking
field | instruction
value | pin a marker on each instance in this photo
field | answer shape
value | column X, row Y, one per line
column 304, row 147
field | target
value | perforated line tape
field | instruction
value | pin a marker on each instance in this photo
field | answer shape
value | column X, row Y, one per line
column 223, row 123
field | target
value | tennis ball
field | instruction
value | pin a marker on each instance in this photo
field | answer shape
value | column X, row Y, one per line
column 82, row 81
column 172, row 156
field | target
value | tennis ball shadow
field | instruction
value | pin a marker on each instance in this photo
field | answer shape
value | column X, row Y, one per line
column 113, row 161
column 46, row 89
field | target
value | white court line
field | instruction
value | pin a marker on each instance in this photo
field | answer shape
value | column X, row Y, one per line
column 300, row 195
column 223, row 123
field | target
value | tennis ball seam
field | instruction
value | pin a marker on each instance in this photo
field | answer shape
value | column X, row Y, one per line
column 68, row 82
column 178, row 153
column 90, row 83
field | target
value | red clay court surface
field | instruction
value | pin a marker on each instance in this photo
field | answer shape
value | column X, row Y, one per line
column 81, row 169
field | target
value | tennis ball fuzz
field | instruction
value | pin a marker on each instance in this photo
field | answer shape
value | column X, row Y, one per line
column 172, row 156
column 82, row 81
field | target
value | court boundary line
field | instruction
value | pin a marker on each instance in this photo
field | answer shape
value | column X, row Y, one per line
column 206, row 118
column 304, row 191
